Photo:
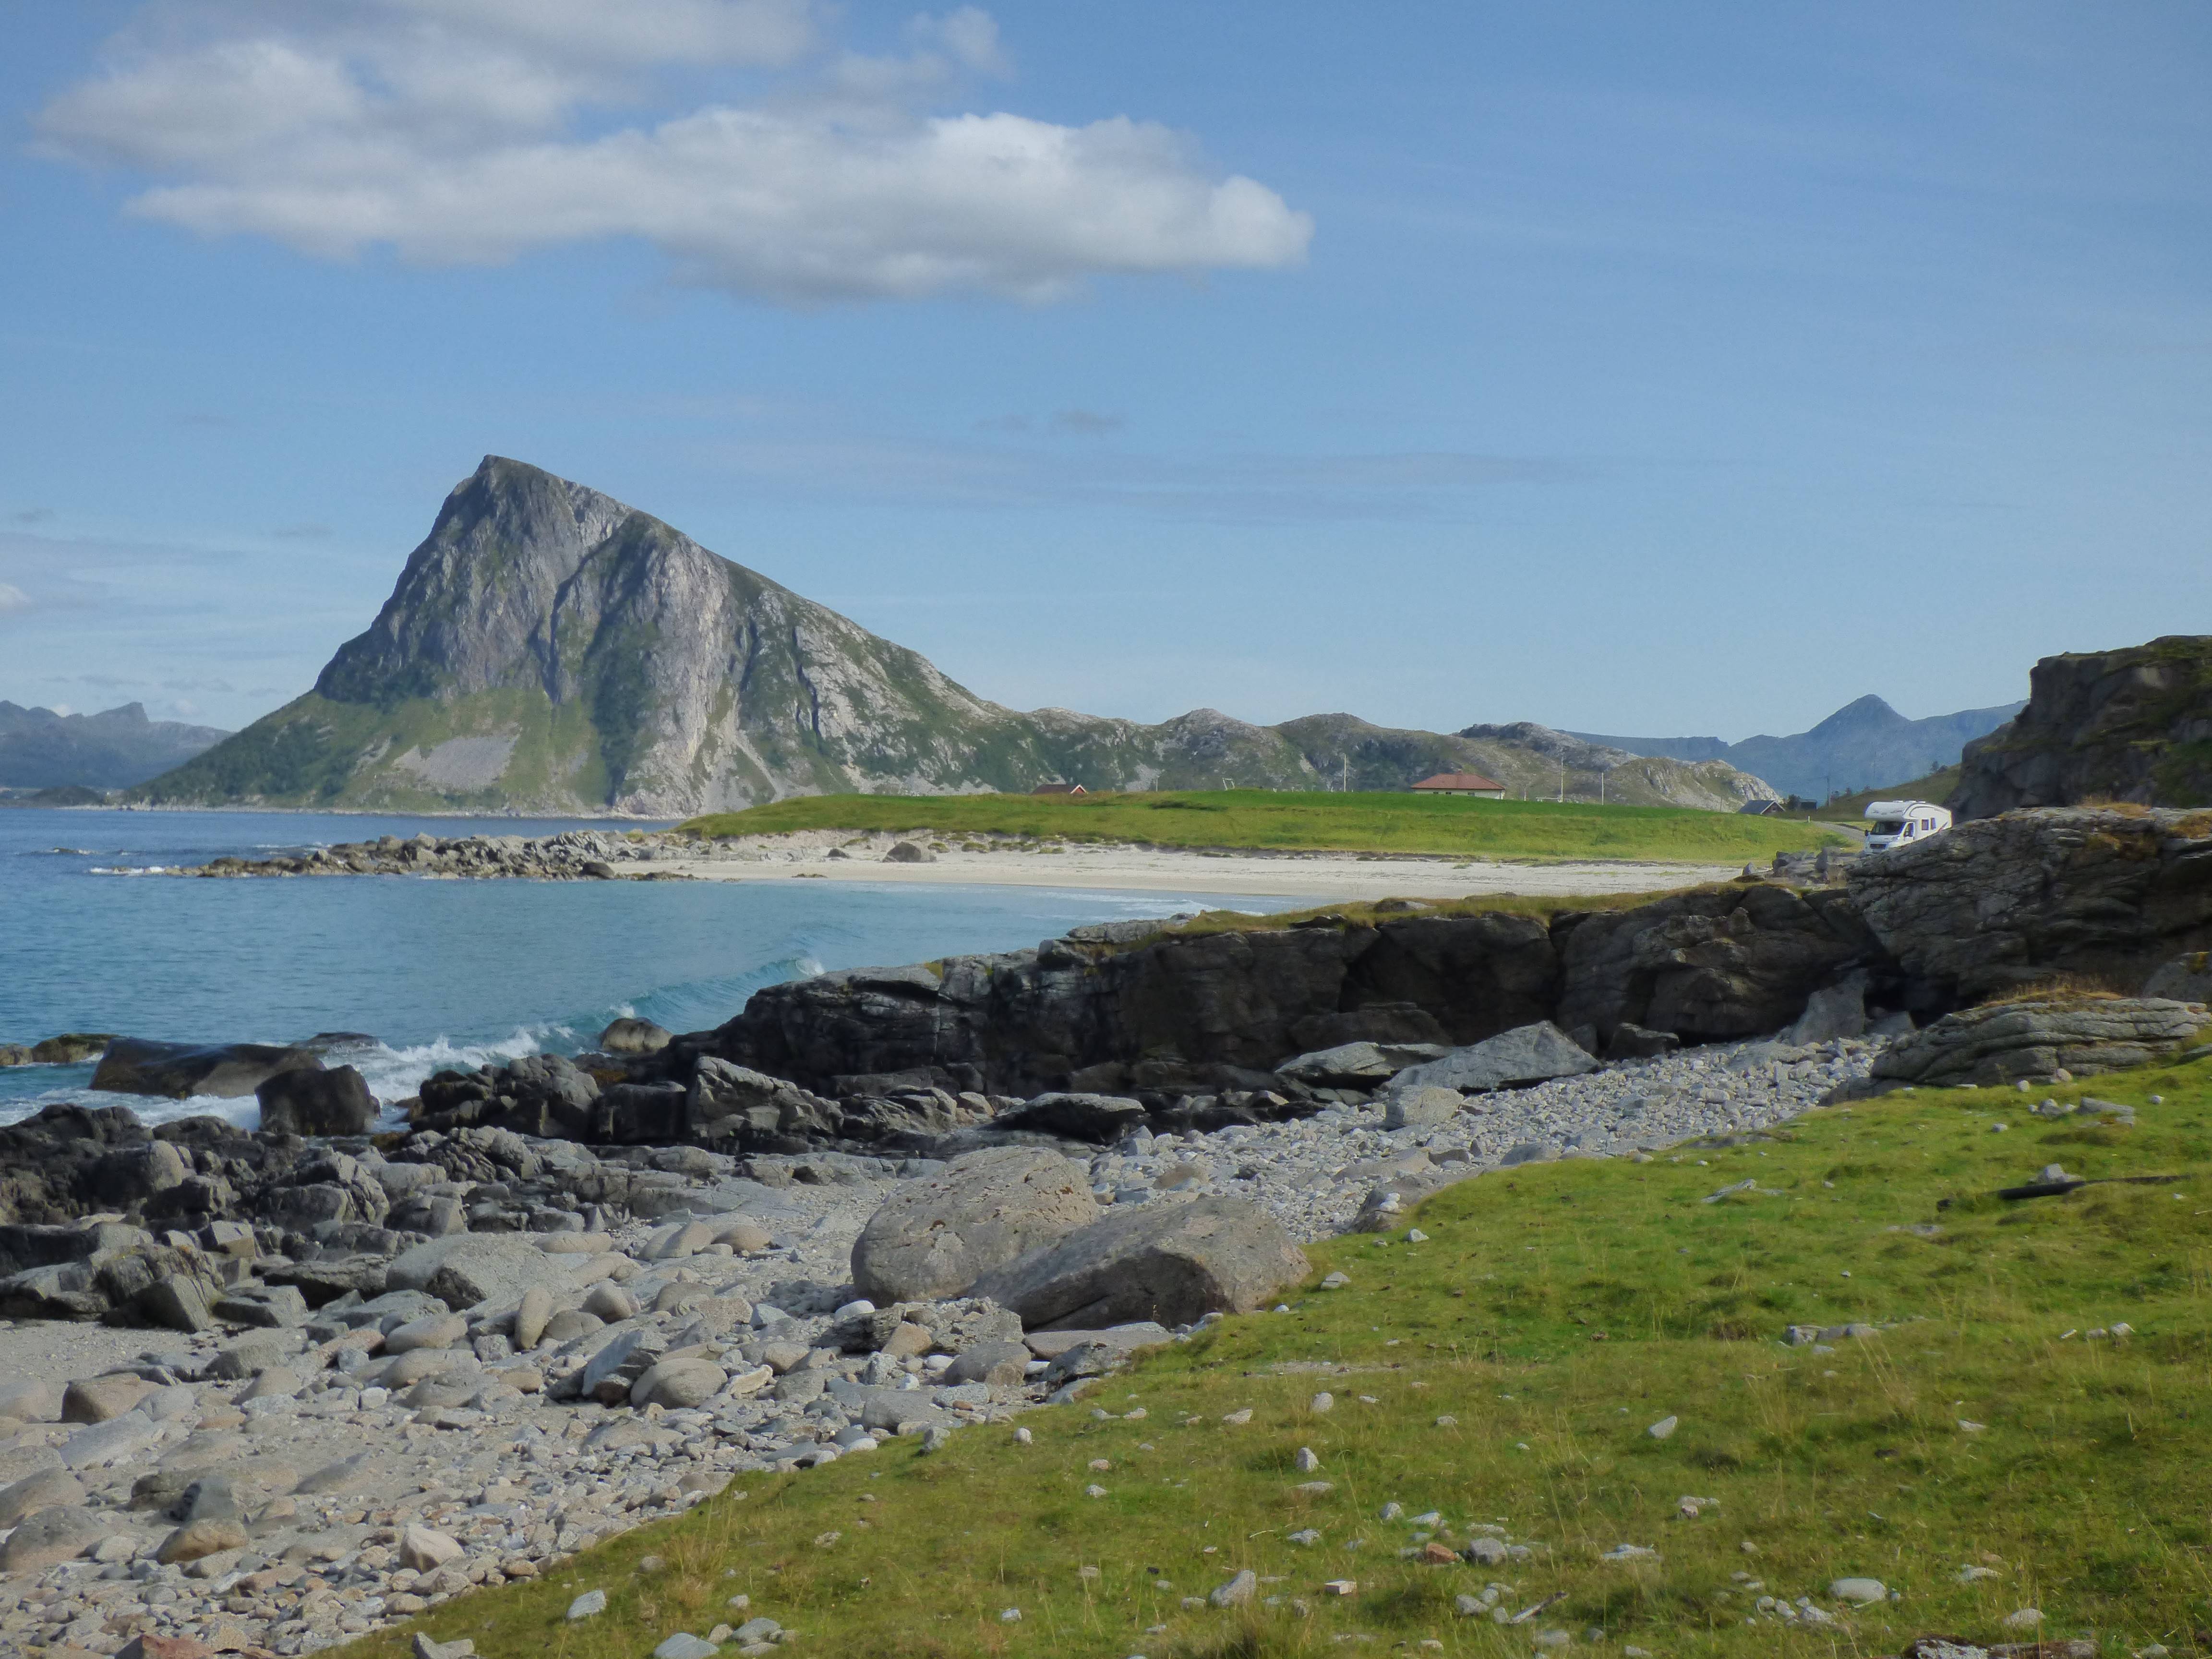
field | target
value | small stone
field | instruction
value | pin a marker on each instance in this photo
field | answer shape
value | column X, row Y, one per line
column 590, row 1601
column 207, row 1535
column 2022, row 1618
column 611, row 1303
column 1341, row 1587
column 1662, row 1428
column 1010, row 1615
column 1307, row 1459
column 464, row 1648
column 1861, row 1590
column 1094, row 1491
column 1239, row 1419
column 425, row 1549
column 1237, row 1591
column 685, row 1645
column 436, row 1331
column 1023, row 1437
column 1322, row 1402
column 99, row 1399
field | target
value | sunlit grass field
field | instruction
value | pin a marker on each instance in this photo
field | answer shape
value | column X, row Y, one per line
column 1294, row 820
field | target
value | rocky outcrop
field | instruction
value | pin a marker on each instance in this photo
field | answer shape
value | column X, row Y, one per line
column 2005, row 1042
column 572, row 855
column 2132, row 725
column 134, row 1066
column 551, row 649
column 1174, row 1263
column 2104, row 894
column 1216, row 1013
column 937, row 1235
column 1709, row 965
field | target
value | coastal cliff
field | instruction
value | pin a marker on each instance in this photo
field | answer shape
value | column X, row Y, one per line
column 2133, row 725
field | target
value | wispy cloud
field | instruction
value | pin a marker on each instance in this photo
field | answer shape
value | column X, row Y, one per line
column 13, row 598
column 473, row 131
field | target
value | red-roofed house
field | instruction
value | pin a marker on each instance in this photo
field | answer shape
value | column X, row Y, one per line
column 1460, row 783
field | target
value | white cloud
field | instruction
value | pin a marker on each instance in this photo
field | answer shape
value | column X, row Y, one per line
column 13, row 598
column 460, row 133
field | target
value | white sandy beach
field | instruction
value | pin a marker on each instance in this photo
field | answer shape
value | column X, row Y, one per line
column 1321, row 878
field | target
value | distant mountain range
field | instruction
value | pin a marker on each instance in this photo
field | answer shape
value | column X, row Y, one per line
column 1863, row 746
column 112, row 749
column 549, row 649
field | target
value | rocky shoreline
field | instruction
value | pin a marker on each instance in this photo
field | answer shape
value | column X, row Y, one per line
column 379, row 1369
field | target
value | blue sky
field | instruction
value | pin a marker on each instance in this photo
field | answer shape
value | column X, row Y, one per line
column 1643, row 369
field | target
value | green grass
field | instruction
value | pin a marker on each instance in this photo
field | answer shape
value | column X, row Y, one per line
column 1556, row 1311
column 1288, row 820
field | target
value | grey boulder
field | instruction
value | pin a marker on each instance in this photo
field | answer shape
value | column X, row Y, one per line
column 935, row 1236
column 1174, row 1263
column 1527, row 1053
column 2185, row 979
column 463, row 1269
column 1359, row 1064
column 316, row 1102
column 1417, row 1108
column 1098, row 1118
column 1833, row 1011
column 51, row 1536
column 634, row 1036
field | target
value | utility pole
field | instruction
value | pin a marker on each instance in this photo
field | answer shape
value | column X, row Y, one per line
column 1562, row 781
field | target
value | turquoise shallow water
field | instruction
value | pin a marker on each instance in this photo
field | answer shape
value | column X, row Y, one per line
column 439, row 972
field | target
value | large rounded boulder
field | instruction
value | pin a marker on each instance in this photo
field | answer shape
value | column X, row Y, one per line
column 303, row 1102
column 1174, row 1263
column 934, row 1237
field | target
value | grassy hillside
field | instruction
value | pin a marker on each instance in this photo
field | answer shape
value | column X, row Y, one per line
column 1504, row 1373
column 1295, row 820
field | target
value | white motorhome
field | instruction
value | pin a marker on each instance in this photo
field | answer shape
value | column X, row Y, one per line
column 1899, row 823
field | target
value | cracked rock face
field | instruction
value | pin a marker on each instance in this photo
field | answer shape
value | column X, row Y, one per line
column 2129, row 725
column 2106, row 895
column 2006, row 1041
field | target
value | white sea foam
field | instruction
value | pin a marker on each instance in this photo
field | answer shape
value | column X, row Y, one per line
column 392, row 1075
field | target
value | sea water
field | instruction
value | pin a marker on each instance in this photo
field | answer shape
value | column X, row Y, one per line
column 96, row 935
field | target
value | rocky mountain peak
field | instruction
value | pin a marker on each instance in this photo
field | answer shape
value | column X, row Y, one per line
column 550, row 648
